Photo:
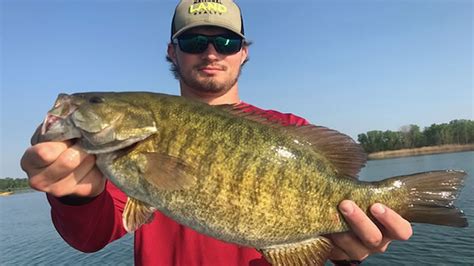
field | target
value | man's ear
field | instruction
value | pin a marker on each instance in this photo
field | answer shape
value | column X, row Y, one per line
column 245, row 54
column 172, row 52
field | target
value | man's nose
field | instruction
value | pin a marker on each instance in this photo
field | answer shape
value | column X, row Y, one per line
column 211, row 52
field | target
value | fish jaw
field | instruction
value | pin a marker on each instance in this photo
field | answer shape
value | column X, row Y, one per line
column 58, row 129
column 57, row 125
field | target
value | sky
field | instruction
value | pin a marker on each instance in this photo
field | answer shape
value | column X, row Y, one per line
column 351, row 65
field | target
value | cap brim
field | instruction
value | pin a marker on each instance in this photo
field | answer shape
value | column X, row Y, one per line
column 201, row 23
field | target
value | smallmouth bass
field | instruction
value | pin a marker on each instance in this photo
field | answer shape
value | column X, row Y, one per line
column 236, row 176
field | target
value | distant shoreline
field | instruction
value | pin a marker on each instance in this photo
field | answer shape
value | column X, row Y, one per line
column 420, row 151
column 4, row 193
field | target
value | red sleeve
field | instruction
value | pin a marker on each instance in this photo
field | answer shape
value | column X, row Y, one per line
column 285, row 119
column 91, row 226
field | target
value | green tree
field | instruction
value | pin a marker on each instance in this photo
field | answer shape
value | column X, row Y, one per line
column 412, row 136
column 460, row 131
column 375, row 140
column 9, row 184
column 392, row 140
column 363, row 141
column 455, row 132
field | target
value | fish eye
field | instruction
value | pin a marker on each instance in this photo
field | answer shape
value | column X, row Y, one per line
column 96, row 99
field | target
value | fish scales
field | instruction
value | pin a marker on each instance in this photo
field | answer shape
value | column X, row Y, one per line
column 225, row 163
column 255, row 195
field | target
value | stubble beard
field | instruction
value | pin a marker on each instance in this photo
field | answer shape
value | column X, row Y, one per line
column 207, row 84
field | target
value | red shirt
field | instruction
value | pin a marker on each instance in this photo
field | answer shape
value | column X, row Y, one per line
column 91, row 226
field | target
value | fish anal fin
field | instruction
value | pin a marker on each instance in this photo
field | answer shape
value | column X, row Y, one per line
column 136, row 213
column 168, row 172
column 309, row 252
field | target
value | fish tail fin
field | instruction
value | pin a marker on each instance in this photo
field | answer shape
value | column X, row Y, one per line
column 432, row 195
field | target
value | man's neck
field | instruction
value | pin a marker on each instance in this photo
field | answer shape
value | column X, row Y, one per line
column 230, row 97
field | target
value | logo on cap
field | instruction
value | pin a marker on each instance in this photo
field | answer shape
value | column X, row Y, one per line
column 219, row 13
column 207, row 6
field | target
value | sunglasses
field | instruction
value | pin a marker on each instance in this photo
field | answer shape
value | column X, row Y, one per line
column 198, row 43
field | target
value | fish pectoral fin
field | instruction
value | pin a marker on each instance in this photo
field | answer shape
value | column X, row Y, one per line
column 168, row 173
column 309, row 252
column 136, row 213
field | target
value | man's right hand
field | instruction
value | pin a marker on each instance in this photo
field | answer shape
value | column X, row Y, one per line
column 62, row 169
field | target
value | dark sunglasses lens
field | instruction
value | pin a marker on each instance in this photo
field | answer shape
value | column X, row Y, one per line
column 225, row 45
column 193, row 44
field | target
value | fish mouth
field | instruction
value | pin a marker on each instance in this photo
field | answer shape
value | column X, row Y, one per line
column 48, row 122
column 57, row 125
column 62, row 108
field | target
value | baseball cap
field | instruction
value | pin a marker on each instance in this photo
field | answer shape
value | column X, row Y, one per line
column 220, row 13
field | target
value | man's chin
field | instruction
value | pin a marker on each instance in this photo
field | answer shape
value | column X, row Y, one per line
column 208, row 86
column 211, row 91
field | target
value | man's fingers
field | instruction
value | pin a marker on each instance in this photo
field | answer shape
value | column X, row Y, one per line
column 394, row 225
column 92, row 184
column 42, row 155
column 337, row 253
column 65, row 164
column 55, row 173
column 366, row 237
column 348, row 247
column 360, row 224
column 68, row 184
column 62, row 169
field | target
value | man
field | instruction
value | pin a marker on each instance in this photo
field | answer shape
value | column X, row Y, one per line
column 207, row 51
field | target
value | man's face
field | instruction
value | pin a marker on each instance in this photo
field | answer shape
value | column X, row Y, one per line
column 207, row 73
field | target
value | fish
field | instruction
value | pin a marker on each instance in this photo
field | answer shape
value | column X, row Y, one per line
column 237, row 176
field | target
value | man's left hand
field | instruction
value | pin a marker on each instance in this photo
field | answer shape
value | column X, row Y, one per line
column 366, row 237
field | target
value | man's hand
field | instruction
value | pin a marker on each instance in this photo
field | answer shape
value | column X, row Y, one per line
column 62, row 169
column 366, row 237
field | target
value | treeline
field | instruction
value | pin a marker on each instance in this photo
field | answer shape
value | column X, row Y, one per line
column 454, row 132
column 12, row 184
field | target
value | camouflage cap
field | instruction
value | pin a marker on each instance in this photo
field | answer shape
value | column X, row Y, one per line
column 220, row 13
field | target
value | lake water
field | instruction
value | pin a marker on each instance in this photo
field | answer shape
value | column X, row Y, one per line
column 27, row 236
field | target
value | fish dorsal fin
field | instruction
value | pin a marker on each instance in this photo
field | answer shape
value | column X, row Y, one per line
column 168, row 172
column 342, row 151
column 135, row 214
column 310, row 252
